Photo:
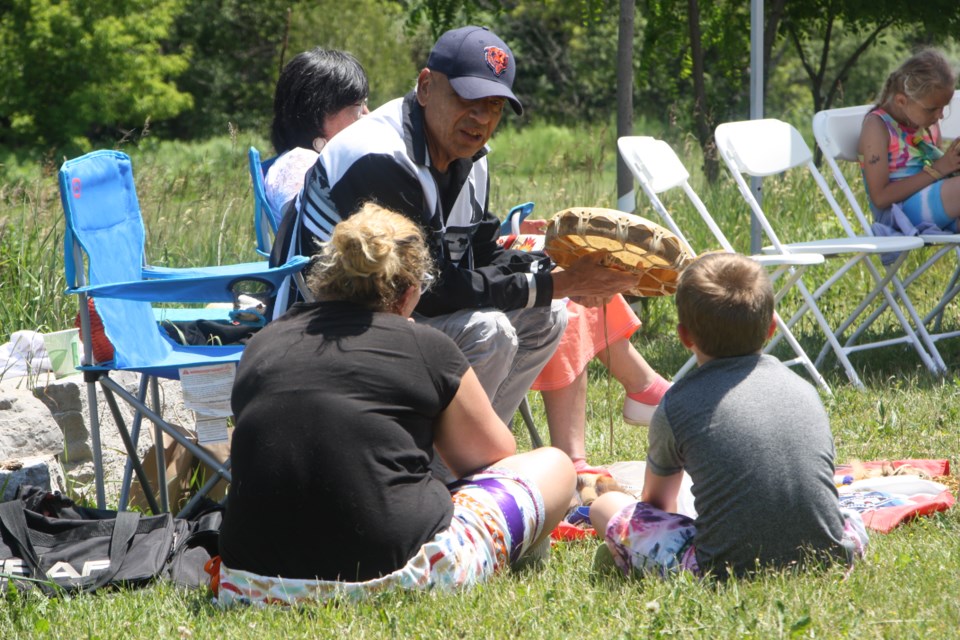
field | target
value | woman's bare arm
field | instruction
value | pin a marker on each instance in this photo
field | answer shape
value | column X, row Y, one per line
column 469, row 434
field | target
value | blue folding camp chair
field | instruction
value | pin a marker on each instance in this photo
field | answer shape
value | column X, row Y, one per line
column 266, row 221
column 104, row 260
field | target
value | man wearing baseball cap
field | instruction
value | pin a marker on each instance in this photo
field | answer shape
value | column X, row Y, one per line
column 423, row 155
column 478, row 64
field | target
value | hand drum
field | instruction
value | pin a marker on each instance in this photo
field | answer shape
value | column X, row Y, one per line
column 655, row 254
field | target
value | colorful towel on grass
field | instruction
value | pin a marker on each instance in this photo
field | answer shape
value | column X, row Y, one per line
column 887, row 501
column 884, row 502
column 566, row 531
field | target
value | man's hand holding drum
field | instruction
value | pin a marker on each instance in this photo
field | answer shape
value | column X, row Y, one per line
column 588, row 278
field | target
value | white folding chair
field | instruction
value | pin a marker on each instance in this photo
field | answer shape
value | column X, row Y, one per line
column 837, row 132
column 657, row 169
column 950, row 129
column 771, row 147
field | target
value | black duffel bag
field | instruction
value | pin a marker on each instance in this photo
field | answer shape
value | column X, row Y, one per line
column 48, row 542
column 73, row 554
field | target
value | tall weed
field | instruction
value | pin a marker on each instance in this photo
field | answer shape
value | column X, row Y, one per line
column 31, row 273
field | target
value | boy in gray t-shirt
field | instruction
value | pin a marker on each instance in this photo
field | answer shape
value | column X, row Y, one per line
column 753, row 436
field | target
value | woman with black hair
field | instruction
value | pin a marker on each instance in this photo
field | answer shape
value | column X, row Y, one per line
column 320, row 92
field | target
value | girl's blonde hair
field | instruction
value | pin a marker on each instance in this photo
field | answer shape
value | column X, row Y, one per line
column 371, row 259
column 925, row 71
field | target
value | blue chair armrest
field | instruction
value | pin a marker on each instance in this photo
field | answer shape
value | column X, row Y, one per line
column 196, row 285
column 521, row 212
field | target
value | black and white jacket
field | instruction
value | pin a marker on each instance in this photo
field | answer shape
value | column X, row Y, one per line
column 383, row 158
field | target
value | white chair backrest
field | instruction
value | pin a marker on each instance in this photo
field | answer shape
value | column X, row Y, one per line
column 950, row 125
column 633, row 149
column 837, row 132
column 765, row 148
column 657, row 169
column 657, row 164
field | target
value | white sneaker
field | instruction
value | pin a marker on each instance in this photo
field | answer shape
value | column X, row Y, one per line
column 637, row 413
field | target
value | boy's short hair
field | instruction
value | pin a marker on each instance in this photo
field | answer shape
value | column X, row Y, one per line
column 725, row 301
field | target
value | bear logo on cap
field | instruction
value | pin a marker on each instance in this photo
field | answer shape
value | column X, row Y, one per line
column 497, row 59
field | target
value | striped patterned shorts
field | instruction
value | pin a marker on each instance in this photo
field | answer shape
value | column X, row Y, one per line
column 497, row 515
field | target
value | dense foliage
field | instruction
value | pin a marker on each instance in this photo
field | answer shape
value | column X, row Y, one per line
column 561, row 47
column 373, row 31
column 78, row 69
column 235, row 47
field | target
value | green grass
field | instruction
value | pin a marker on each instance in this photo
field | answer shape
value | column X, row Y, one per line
column 197, row 205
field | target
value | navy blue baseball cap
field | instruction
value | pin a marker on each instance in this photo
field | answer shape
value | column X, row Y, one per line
column 478, row 64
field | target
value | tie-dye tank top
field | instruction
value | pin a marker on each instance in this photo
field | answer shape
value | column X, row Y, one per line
column 909, row 149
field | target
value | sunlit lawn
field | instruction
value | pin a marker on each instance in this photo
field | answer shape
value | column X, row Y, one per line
column 198, row 209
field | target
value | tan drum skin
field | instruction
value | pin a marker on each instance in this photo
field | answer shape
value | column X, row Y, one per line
column 655, row 254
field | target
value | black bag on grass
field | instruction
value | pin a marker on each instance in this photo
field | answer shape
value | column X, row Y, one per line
column 196, row 544
column 75, row 554
column 50, row 543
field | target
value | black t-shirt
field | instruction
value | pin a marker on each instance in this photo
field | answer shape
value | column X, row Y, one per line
column 335, row 407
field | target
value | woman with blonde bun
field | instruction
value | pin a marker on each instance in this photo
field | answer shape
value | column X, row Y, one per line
column 340, row 405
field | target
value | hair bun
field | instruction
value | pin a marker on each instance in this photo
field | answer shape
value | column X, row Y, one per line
column 364, row 249
column 372, row 258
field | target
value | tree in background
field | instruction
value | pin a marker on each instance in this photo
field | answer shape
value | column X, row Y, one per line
column 80, row 70
column 373, row 31
column 815, row 27
column 694, row 67
column 235, row 47
column 239, row 47
column 438, row 16
column 75, row 70
column 695, row 55
column 568, row 53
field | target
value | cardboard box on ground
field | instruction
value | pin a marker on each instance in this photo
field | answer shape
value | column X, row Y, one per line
column 185, row 472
